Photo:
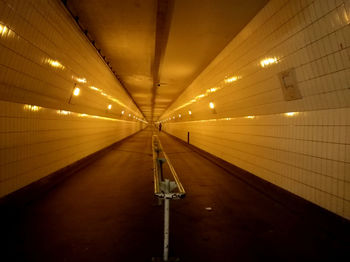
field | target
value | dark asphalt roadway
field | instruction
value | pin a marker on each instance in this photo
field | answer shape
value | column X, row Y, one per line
column 107, row 212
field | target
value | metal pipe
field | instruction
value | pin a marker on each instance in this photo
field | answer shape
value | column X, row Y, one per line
column 177, row 180
column 166, row 222
column 163, row 188
column 155, row 167
column 157, row 147
column 173, row 172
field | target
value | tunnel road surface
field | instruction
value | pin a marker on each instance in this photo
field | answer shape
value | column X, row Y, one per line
column 107, row 212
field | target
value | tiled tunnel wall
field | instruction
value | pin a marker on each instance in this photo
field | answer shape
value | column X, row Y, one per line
column 43, row 127
column 301, row 145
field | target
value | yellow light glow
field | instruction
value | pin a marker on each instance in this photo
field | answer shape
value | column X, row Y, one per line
column 173, row 117
column 211, row 105
column 189, row 112
column 231, row 79
column 109, row 97
column 81, row 80
column 291, row 113
column 129, row 115
column 54, row 63
column 94, row 88
column 6, row 32
column 32, row 108
column 36, row 108
column 63, row 112
column 76, row 91
column 123, row 112
column 250, row 117
column 268, row 61
column 179, row 115
column 208, row 91
column 3, row 29
column 109, row 107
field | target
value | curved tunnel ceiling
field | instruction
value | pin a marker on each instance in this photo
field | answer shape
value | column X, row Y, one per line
column 157, row 48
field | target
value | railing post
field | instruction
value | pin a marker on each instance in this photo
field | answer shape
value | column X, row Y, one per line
column 166, row 222
column 163, row 189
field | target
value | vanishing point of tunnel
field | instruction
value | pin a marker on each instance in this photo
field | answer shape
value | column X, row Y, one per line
column 174, row 130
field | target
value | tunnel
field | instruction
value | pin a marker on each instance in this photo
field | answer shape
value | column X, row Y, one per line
column 174, row 130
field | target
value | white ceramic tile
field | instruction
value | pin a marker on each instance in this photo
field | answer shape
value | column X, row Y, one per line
column 36, row 141
column 306, row 153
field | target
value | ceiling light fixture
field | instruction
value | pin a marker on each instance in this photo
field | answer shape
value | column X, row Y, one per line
column 76, row 91
column 55, row 63
column 33, row 108
column 268, row 61
column 81, row 80
column 231, row 79
column 94, row 88
column 290, row 113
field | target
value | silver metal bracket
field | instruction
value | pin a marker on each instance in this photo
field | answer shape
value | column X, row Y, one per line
column 163, row 186
column 163, row 190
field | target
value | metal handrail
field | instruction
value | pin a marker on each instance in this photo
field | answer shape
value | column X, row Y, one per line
column 155, row 167
column 173, row 172
column 157, row 149
column 163, row 187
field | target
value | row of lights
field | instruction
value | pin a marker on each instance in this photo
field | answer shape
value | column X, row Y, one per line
column 54, row 63
column 263, row 63
column 211, row 105
column 6, row 31
column 35, row 108
column 209, row 91
column 76, row 92
column 287, row 114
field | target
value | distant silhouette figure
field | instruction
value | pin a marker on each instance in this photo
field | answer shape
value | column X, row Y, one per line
column 160, row 127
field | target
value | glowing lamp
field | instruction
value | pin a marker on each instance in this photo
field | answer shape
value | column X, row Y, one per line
column 76, row 91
